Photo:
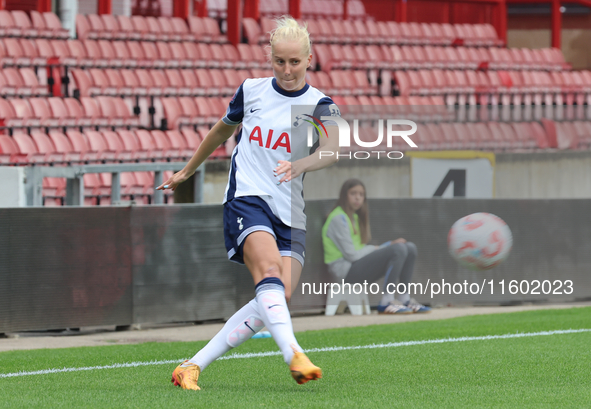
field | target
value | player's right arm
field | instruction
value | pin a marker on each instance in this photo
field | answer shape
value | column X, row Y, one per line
column 219, row 134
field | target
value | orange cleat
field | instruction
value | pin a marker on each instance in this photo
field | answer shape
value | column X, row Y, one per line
column 186, row 376
column 302, row 369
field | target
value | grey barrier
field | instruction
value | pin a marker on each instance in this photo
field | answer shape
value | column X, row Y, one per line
column 82, row 266
column 75, row 180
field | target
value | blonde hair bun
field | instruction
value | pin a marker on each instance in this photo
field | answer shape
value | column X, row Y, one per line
column 288, row 29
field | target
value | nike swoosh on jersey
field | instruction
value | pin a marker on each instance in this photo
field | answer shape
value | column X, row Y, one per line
column 252, row 111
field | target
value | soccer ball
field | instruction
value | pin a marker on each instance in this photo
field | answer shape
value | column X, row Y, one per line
column 480, row 241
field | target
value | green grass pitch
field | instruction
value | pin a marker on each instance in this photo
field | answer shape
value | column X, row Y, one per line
column 550, row 371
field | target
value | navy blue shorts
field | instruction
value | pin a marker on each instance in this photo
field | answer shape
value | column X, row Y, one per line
column 247, row 214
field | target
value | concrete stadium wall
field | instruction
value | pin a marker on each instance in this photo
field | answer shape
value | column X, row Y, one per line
column 546, row 175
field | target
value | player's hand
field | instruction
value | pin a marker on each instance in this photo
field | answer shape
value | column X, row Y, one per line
column 400, row 240
column 174, row 181
column 287, row 169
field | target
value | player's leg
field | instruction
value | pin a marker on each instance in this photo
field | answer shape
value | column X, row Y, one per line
column 292, row 271
column 241, row 326
column 300, row 366
column 263, row 260
column 262, row 257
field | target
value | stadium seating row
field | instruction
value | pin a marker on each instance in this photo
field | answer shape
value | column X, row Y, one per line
column 335, row 56
column 311, row 9
column 497, row 136
column 330, row 9
column 199, row 82
column 493, row 87
column 55, row 112
column 202, row 82
column 16, row 23
column 106, row 112
column 22, row 82
column 74, row 147
column 133, row 54
column 149, row 28
column 57, row 148
column 339, row 31
column 193, row 112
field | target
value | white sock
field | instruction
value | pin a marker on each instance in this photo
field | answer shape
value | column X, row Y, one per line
column 241, row 326
column 270, row 295
column 404, row 298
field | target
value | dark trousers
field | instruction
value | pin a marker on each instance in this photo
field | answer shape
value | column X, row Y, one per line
column 396, row 262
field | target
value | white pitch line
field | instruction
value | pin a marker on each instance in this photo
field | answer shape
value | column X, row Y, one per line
column 325, row 349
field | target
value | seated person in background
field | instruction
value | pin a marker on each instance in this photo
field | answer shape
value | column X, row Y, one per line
column 345, row 235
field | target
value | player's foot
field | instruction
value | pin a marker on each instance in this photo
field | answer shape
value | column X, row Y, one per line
column 416, row 307
column 394, row 308
column 186, row 376
column 302, row 369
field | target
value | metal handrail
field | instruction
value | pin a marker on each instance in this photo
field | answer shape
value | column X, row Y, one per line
column 75, row 180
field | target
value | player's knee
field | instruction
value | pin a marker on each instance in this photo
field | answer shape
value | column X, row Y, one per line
column 412, row 249
column 272, row 270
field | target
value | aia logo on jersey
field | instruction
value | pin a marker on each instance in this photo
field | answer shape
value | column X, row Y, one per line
column 270, row 141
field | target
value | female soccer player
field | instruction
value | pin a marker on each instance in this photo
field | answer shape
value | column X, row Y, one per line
column 264, row 222
column 345, row 235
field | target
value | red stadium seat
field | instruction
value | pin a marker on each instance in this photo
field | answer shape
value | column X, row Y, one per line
column 131, row 144
column 83, row 28
column 126, row 26
column 93, row 111
column 98, row 144
column 181, row 29
column 8, row 26
column 156, row 29
column 192, row 83
column 172, row 112
column 97, row 25
column 23, row 110
column 52, row 23
column 140, row 26
column 115, row 144
column 76, row 111
column 111, row 25
column 30, row 153
column 42, row 110
column 192, row 138
column 62, row 145
column 189, row 114
column 197, row 28
column 166, row 27
column 147, row 144
column 176, row 82
column 162, row 144
column 60, row 111
column 23, row 23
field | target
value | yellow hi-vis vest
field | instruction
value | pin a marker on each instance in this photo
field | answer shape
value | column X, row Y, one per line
column 331, row 251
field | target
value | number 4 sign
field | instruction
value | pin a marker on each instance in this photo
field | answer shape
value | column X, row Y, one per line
column 450, row 174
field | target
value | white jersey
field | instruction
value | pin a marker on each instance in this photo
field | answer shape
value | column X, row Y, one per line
column 267, row 114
